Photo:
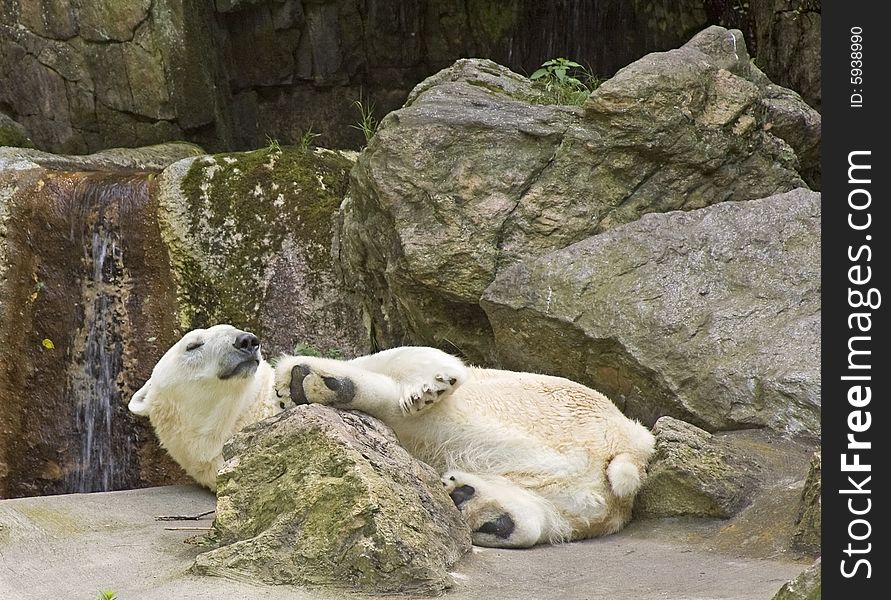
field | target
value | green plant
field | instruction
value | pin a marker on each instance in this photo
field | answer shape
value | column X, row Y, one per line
column 272, row 144
column 367, row 124
column 107, row 595
column 565, row 81
column 306, row 139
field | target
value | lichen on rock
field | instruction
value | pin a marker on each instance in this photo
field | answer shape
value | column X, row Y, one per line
column 693, row 474
column 318, row 496
column 807, row 586
column 808, row 524
column 249, row 228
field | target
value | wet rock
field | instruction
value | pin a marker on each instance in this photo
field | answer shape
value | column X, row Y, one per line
column 808, row 524
column 249, row 236
column 474, row 174
column 325, row 497
column 711, row 316
column 86, row 307
column 695, row 474
column 807, row 586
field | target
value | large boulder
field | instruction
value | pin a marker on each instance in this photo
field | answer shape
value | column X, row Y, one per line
column 695, row 474
column 475, row 174
column 249, row 236
column 325, row 497
column 711, row 316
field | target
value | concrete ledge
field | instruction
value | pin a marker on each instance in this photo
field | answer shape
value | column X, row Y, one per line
column 73, row 546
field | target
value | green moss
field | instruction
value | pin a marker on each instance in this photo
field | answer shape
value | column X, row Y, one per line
column 240, row 208
column 11, row 137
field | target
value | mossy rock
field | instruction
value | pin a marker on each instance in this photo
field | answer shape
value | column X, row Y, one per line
column 13, row 134
column 693, row 474
column 249, row 236
column 807, row 586
column 324, row 497
column 808, row 524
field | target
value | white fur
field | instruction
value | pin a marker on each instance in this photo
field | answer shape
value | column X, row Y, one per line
column 192, row 410
column 555, row 459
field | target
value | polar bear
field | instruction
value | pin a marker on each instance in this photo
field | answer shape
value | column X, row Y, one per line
column 527, row 458
column 207, row 386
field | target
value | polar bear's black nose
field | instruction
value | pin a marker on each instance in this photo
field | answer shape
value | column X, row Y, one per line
column 247, row 342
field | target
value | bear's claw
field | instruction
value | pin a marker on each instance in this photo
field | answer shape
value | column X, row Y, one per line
column 424, row 395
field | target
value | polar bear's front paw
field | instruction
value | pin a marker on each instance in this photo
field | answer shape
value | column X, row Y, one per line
column 419, row 396
column 303, row 381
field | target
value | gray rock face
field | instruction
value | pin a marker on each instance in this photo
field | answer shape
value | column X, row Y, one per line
column 808, row 525
column 325, row 497
column 787, row 34
column 807, row 586
column 149, row 158
column 711, row 316
column 693, row 474
column 225, row 74
column 473, row 174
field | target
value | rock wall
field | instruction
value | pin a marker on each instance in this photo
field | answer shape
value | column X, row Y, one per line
column 81, row 76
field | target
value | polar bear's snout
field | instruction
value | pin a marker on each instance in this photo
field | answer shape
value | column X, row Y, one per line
column 247, row 343
column 242, row 358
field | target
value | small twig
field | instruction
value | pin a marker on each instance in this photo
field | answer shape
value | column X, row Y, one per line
column 187, row 528
column 184, row 517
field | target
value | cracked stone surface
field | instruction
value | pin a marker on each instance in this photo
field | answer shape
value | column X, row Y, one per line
column 711, row 316
column 475, row 174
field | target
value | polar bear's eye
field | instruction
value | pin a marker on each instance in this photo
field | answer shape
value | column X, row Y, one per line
column 193, row 346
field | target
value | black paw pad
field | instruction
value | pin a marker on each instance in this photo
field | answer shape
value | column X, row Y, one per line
column 502, row 527
column 298, row 374
column 462, row 494
column 343, row 387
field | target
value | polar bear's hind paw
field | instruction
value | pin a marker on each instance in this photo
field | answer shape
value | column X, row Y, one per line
column 502, row 528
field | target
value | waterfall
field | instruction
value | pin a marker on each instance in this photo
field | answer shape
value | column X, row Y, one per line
column 102, row 459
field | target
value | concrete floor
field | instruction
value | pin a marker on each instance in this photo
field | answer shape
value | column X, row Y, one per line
column 71, row 547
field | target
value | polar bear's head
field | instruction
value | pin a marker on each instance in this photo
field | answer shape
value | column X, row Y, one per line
column 203, row 363
column 206, row 387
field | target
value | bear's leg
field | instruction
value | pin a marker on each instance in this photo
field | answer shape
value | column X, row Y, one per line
column 425, row 375
column 502, row 514
column 310, row 379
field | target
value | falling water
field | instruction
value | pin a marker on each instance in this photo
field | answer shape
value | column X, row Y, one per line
column 103, row 459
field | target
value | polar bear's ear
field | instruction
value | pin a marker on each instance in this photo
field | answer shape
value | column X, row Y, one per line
column 139, row 403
